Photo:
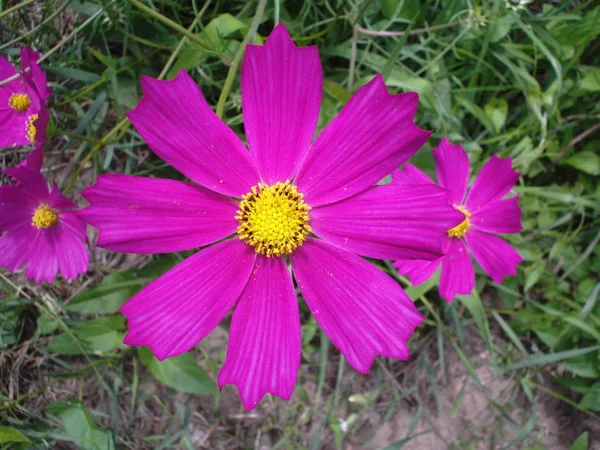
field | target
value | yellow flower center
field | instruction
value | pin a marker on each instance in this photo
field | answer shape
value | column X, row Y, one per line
column 31, row 130
column 44, row 217
column 273, row 219
column 461, row 229
column 19, row 102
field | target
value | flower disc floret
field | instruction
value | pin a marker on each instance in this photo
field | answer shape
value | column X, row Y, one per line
column 30, row 128
column 461, row 229
column 273, row 219
column 44, row 217
column 19, row 102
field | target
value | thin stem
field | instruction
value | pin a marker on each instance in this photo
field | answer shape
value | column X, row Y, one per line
column 260, row 9
column 15, row 8
column 57, row 46
column 402, row 33
column 168, row 22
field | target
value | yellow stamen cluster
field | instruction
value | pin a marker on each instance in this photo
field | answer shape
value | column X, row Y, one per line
column 19, row 102
column 44, row 217
column 273, row 219
column 461, row 229
column 31, row 129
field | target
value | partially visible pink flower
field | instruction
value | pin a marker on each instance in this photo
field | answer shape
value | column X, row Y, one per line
column 285, row 201
column 486, row 214
column 39, row 229
column 23, row 102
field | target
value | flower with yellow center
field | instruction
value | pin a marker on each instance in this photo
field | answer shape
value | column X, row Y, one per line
column 19, row 102
column 461, row 229
column 30, row 128
column 273, row 219
column 44, row 217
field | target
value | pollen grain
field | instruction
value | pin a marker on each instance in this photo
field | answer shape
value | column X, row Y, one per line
column 273, row 219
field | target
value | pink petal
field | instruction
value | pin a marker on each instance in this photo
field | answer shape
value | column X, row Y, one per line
column 16, row 207
column 500, row 216
column 389, row 222
column 409, row 174
column 7, row 70
column 153, row 215
column 176, row 311
column 362, row 310
column 43, row 258
column 281, row 97
column 179, row 126
column 263, row 354
column 373, row 134
column 32, row 182
column 458, row 275
column 71, row 251
column 494, row 181
column 13, row 131
column 35, row 159
column 15, row 246
column 35, row 75
column 496, row 257
column 416, row 270
column 452, row 166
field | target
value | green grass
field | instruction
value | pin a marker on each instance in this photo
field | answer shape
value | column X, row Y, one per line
column 511, row 366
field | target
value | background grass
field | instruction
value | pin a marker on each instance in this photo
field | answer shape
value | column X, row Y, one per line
column 511, row 366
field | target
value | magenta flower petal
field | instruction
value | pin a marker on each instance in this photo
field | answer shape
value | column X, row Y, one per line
column 416, row 270
column 152, row 215
column 33, row 181
column 458, row 275
column 373, row 135
column 177, row 310
column 499, row 216
column 15, row 247
column 281, row 96
column 37, row 78
column 389, row 222
column 179, row 126
column 409, row 174
column 43, row 261
column 263, row 354
column 16, row 207
column 362, row 310
column 71, row 251
column 494, row 181
column 496, row 257
column 452, row 167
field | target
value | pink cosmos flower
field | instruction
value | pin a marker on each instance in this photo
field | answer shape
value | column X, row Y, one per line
column 23, row 118
column 485, row 214
column 284, row 202
column 39, row 229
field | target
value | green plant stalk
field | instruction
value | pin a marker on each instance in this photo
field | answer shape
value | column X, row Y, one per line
column 260, row 9
column 15, row 8
column 173, row 25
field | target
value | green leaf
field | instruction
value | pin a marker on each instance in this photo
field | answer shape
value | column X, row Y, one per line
column 479, row 113
column 337, row 91
column 475, row 306
column 10, row 434
column 497, row 111
column 542, row 360
column 108, row 296
column 179, row 372
column 586, row 161
column 99, row 335
column 46, row 324
column 591, row 80
column 81, row 428
column 581, row 443
column 221, row 27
